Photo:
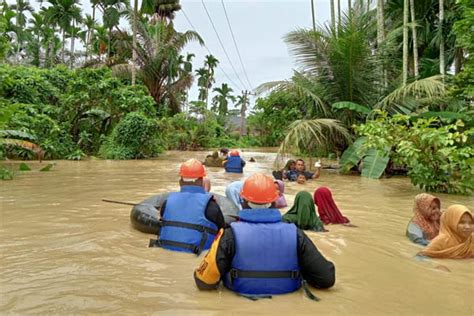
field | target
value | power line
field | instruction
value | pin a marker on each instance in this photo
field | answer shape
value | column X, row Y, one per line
column 209, row 51
column 222, row 45
column 235, row 44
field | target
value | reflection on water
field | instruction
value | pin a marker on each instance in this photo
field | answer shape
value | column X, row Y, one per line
column 65, row 251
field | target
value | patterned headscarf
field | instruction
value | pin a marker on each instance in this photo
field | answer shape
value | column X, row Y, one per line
column 423, row 213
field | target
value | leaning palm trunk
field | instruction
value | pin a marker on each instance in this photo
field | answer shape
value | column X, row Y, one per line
column 405, row 43
column 415, row 41
column 442, row 66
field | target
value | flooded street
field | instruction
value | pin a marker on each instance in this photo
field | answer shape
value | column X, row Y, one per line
column 64, row 251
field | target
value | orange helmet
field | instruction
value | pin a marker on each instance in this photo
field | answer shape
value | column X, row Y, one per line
column 259, row 189
column 192, row 168
column 234, row 153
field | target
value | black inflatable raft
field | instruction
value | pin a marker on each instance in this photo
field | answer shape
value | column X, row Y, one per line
column 144, row 216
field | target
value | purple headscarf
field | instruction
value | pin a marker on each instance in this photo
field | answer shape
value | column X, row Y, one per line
column 281, row 202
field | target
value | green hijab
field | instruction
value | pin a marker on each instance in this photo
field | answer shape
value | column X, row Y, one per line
column 303, row 213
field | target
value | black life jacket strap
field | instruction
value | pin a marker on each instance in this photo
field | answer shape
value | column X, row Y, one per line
column 308, row 292
column 199, row 228
column 235, row 273
column 160, row 243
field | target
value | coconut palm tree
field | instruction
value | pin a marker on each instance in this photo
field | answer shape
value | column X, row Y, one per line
column 63, row 13
column 158, row 57
column 21, row 7
column 220, row 102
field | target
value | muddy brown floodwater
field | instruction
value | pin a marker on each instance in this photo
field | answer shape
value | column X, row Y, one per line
column 64, row 251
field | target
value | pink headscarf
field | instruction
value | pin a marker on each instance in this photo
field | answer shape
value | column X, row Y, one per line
column 281, row 202
column 327, row 209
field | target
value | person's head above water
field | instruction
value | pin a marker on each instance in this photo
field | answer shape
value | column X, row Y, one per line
column 301, row 178
column 300, row 167
column 234, row 153
column 192, row 172
column 259, row 191
column 224, row 151
column 428, row 206
column 455, row 237
column 290, row 165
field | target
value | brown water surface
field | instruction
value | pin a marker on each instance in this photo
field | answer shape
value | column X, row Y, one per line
column 64, row 251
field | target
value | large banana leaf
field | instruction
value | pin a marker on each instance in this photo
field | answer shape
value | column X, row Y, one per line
column 352, row 155
column 374, row 163
column 355, row 107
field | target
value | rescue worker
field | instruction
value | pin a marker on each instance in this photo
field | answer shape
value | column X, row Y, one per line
column 191, row 218
column 234, row 163
column 260, row 255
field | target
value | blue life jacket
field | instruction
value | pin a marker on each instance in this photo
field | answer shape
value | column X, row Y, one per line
column 234, row 164
column 184, row 226
column 266, row 258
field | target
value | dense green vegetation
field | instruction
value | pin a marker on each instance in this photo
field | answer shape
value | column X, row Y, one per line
column 383, row 84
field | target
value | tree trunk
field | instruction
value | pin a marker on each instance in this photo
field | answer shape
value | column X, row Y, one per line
column 381, row 37
column 349, row 5
column 134, row 42
column 92, row 33
column 380, row 23
column 405, row 43
column 333, row 15
column 62, row 48
column 339, row 13
column 312, row 15
column 442, row 65
column 71, row 62
column 415, row 41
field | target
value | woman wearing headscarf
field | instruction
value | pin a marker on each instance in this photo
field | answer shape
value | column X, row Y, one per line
column 455, row 237
column 424, row 226
column 281, row 202
column 303, row 213
column 232, row 191
column 327, row 208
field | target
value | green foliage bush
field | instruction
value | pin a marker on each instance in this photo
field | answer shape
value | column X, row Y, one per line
column 136, row 136
column 439, row 157
column 69, row 112
column 272, row 116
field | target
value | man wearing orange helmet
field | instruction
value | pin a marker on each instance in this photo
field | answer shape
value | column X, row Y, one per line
column 234, row 163
column 191, row 218
column 260, row 254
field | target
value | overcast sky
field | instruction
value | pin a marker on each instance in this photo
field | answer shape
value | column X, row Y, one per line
column 258, row 26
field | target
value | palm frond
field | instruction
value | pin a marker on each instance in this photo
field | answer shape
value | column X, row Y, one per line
column 304, row 135
column 430, row 87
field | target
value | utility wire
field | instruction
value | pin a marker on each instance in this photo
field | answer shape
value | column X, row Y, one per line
column 222, row 45
column 236, row 47
column 209, row 51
